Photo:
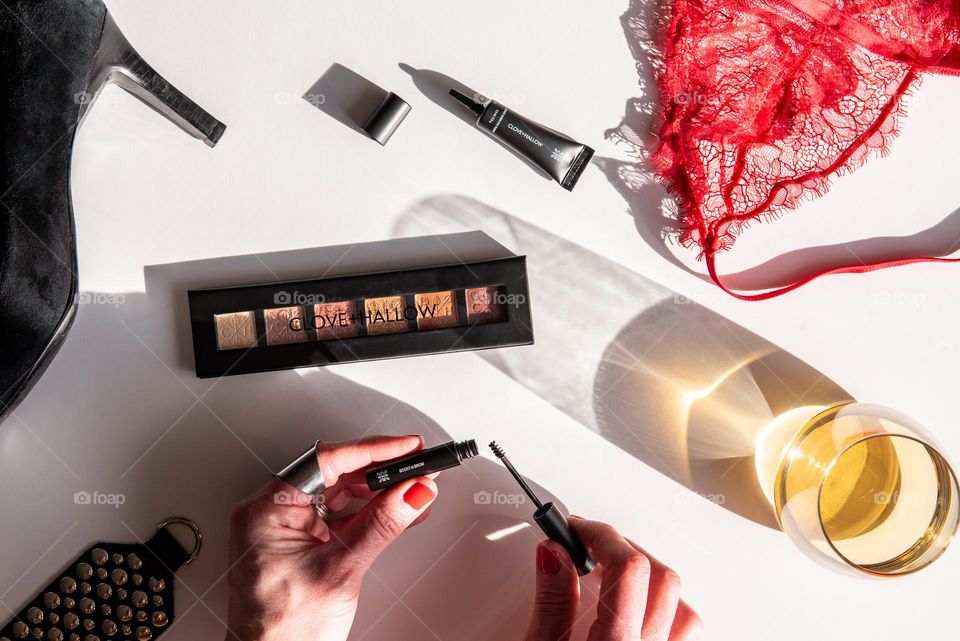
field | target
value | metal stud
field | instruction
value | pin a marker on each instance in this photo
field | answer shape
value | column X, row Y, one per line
column 84, row 571
column 99, row 556
column 141, row 615
column 20, row 630
column 157, row 600
column 71, row 620
column 37, row 633
column 121, row 594
column 124, row 613
column 87, row 605
column 125, row 630
column 109, row 628
column 144, row 633
column 74, row 637
column 91, row 637
column 54, row 634
column 51, row 600
column 159, row 619
column 68, row 585
column 137, row 579
column 134, row 561
column 34, row 615
column 54, row 618
column 139, row 599
column 105, row 610
column 118, row 576
column 101, row 573
column 117, row 558
column 156, row 584
column 85, row 587
column 88, row 624
column 68, row 602
column 104, row 591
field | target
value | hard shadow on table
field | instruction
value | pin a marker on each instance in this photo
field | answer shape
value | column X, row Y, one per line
column 648, row 202
column 173, row 444
column 941, row 239
column 436, row 86
column 683, row 389
column 645, row 24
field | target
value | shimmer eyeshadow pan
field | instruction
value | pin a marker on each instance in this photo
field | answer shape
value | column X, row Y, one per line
column 436, row 310
column 237, row 330
column 486, row 304
column 335, row 320
column 385, row 315
column 424, row 310
column 284, row 325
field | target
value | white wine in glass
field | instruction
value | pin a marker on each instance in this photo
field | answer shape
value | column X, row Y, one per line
column 863, row 488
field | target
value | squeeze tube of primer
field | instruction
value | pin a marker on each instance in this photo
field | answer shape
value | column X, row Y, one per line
column 562, row 158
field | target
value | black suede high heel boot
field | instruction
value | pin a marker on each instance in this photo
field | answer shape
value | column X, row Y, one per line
column 56, row 56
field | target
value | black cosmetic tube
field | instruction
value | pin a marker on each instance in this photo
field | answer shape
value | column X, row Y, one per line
column 420, row 463
column 562, row 158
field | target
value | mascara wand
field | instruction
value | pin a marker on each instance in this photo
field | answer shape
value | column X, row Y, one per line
column 551, row 520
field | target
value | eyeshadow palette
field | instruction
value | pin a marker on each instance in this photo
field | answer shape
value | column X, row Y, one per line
column 304, row 323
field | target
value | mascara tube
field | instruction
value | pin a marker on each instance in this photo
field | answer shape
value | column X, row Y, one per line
column 558, row 155
column 420, row 463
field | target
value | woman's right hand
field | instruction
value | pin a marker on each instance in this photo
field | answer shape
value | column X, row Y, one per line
column 639, row 596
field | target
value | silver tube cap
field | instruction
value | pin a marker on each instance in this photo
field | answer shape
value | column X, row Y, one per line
column 304, row 473
column 386, row 118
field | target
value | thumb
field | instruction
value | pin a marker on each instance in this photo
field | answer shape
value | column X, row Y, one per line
column 385, row 517
column 558, row 595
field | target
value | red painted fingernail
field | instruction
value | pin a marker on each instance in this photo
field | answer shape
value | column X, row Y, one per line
column 547, row 561
column 418, row 495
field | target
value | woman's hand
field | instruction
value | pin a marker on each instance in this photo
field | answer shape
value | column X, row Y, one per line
column 639, row 596
column 293, row 575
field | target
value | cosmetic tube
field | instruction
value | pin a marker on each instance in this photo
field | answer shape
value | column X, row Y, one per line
column 562, row 158
column 420, row 463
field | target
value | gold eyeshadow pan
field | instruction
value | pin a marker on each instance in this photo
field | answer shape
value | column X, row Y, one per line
column 426, row 310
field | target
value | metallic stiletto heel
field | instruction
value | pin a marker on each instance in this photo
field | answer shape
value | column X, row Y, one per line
column 118, row 62
column 57, row 56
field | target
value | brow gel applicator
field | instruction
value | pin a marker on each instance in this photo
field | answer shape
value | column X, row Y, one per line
column 552, row 521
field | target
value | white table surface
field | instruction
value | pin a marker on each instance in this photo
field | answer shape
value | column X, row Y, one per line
column 120, row 410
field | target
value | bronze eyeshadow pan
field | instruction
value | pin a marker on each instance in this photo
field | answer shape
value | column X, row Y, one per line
column 305, row 323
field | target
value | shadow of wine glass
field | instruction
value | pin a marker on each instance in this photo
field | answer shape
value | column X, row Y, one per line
column 681, row 388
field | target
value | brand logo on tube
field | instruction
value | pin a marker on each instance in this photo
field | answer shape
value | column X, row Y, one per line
column 498, row 498
column 298, row 298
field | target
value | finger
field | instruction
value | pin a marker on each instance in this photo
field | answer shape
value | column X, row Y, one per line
column 557, row 597
column 687, row 624
column 663, row 598
column 368, row 532
column 626, row 579
column 349, row 456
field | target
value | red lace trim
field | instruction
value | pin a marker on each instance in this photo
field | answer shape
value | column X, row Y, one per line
column 765, row 101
